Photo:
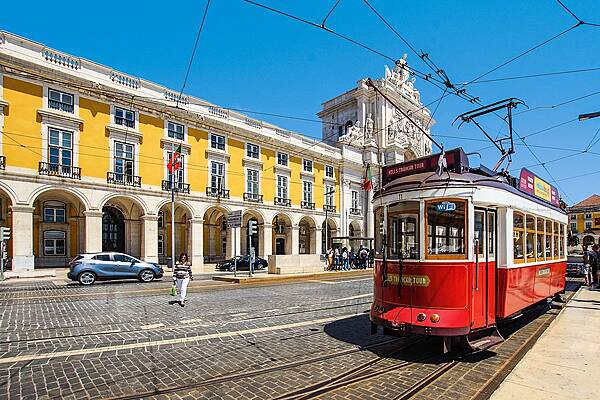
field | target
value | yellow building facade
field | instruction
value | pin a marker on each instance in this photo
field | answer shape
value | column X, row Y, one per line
column 84, row 161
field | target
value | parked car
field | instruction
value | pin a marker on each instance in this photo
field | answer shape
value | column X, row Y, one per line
column 87, row 268
column 243, row 264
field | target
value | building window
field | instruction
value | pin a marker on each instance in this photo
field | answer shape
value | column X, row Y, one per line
column 54, row 243
column 217, row 142
column 354, row 200
column 329, row 195
column 61, row 101
column 446, row 227
column 124, row 117
column 588, row 225
column 55, row 212
column 573, row 226
column 282, row 186
column 307, row 165
column 252, row 150
column 217, row 176
column 588, row 216
column 161, row 245
column 175, row 131
column 329, row 171
column 282, row 159
column 179, row 175
column 252, row 181
column 124, row 160
column 307, row 191
column 60, row 147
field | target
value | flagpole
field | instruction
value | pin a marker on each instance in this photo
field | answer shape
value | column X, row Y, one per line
column 172, row 179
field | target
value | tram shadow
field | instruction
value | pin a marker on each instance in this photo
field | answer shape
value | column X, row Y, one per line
column 356, row 330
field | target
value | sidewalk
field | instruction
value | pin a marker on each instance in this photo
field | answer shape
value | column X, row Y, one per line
column 565, row 361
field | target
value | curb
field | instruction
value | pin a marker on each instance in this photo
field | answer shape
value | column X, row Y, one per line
column 272, row 278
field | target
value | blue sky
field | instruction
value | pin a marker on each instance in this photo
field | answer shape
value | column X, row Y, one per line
column 251, row 59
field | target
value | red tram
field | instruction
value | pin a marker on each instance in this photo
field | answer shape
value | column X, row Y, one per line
column 461, row 250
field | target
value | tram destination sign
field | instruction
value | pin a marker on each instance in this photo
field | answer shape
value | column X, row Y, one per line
column 456, row 160
column 534, row 185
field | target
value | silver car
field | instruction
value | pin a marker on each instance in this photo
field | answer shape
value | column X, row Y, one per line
column 87, row 268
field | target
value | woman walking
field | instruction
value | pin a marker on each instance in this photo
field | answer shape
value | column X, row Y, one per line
column 182, row 274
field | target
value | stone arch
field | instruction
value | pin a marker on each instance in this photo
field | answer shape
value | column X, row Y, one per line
column 354, row 229
column 182, row 227
column 70, row 191
column 216, row 235
column 282, row 233
column 59, row 225
column 257, row 240
column 132, row 230
column 329, row 230
column 119, row 197
column 588, row 240
column 7, row 199
column 183, row 204
column 307, row 243
column 8, row 192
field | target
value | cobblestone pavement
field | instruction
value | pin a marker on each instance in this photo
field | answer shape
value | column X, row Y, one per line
column 123, row 340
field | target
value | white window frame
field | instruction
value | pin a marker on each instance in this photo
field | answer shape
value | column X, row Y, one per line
column 250, row 171
column 133, row 154
column 287, row 159
column 329, row 200
column 573, row 226
column 174, row 139
column 223, row 176
column 54, row 205
column 285, row 179
column 210, row 142
column 588, row 225
column 60, row 146
column 309, row 185
column 588, row 216
column 62, row 92
column 113, row 117
column 64, row 239
column 306, row 162
column 161, row 244
column 354, row 200
column 169, row 148
column 248, row 146
column 332, row 171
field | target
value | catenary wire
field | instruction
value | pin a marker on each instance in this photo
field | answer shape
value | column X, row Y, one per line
column 558, row 104
column 540, row 75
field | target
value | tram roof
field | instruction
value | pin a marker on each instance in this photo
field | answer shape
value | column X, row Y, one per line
column 458, row 174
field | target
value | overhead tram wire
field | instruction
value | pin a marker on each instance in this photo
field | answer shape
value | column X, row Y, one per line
column 575, row 16
column 193, row 53
column 559, row 104
column 329, row 13
column 540, row 75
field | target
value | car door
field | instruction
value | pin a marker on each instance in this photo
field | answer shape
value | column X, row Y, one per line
column 124, row 265
column 103, row 265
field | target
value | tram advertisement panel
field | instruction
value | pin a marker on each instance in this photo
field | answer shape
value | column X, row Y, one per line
column 536, row 186
column 456, row 161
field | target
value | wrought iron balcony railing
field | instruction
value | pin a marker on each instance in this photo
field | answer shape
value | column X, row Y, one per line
column 282, row 201
column 216, row 192
column 60, row 106
column 2, row 162
column 125, row 122
column 65, row 171
column 253, row 197
column 329, row 208
column 179, row 187
column 355, row 211
column 123, row 179
column 307, row 205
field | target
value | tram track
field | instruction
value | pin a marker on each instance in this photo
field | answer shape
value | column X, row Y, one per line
column 278, row 368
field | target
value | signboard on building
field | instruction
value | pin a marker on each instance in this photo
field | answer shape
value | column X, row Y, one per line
column 456, row 161
column 536, row 186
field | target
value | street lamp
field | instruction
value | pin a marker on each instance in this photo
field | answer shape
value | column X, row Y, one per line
column 583, row 117
column 330, row 193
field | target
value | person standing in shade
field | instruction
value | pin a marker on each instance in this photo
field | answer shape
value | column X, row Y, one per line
column 345, row 259
column 182, row 274
column 594, row 264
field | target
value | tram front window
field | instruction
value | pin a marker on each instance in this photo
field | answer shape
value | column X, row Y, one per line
column 446, row 227
column 403, row 230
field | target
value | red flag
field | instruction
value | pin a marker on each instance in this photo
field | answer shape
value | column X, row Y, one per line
column 368, row 180
column 175, row 161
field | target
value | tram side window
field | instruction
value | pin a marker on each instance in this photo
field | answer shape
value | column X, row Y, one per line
column 446, row 227
column 556, row 241
column 491, row 234
column 561, row 241
column 548, row 239
column 479, row 220
column 518, row 237
column 530, row 238
column 540, row 242
column 407, row 234
column 378, row 231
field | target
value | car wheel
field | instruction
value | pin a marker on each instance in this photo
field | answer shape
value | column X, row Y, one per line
column 147, row 275
column 231, row 268
column 87, row 278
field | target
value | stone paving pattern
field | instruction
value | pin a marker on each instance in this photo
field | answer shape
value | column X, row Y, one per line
column 44, row 318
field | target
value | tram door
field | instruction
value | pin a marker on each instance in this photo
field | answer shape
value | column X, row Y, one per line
column 483, row 272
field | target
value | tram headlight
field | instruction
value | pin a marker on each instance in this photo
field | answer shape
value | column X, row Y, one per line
column 434, row 318
column 421, row 317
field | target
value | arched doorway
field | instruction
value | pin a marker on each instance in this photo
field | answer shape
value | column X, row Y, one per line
column 113, row 229
column 306, row 242
column 588, row 240
column 215, row 235
column 329, row 232
column 282, row 231
column 255, row 240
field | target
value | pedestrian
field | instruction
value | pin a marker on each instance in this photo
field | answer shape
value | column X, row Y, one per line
column 595, row 264
column 345, row 260
column 589, row 257
column 329, row 259
column 371, row 258
column 182, row 274
column 363, row 255
column 336, row 257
